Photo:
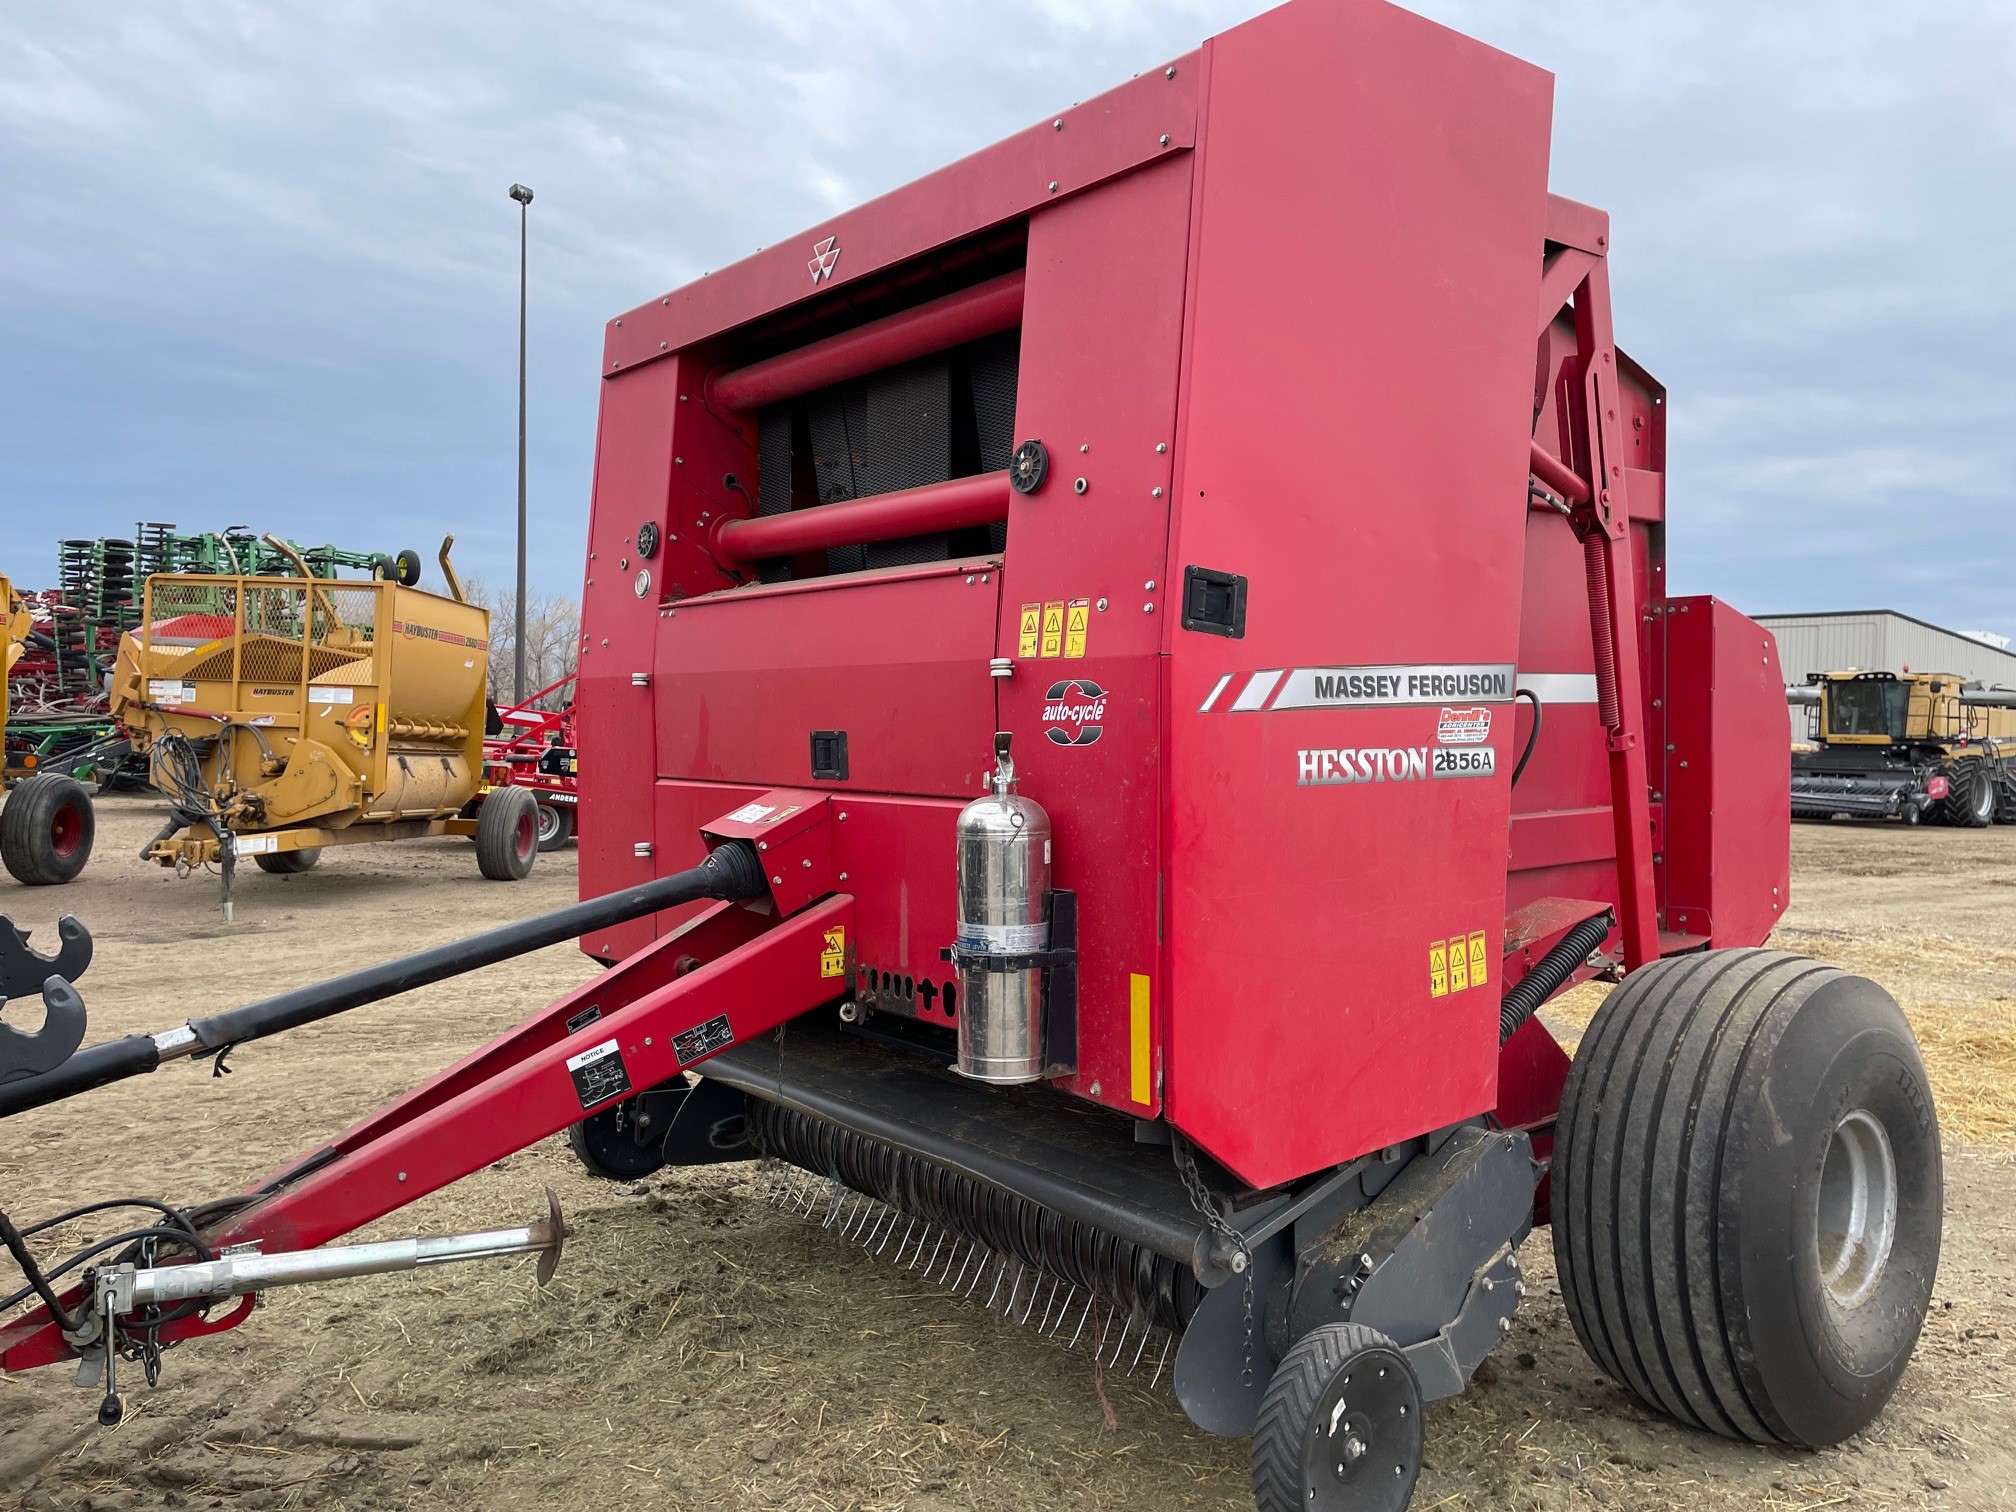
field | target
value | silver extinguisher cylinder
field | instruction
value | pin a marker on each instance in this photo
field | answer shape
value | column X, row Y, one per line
column 1004, row 880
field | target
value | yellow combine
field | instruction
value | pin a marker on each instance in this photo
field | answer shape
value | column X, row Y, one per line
column 282, row 715
column 47, row 826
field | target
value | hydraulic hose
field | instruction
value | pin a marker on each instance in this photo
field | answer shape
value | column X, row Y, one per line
column 731, row 873
column 1554, row 968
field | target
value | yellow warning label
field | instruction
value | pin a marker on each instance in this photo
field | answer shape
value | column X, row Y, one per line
column 1438, row 969
column 1459, row 965
column 1077, row 620
column 1478, row 974
column 833, row 952
column 1139, row 1054
column 1032, row 619
column 1053, row 628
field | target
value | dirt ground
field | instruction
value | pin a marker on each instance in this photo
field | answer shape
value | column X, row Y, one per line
column 701, row 1348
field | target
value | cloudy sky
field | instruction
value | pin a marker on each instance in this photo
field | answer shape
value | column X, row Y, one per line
column 257, row 264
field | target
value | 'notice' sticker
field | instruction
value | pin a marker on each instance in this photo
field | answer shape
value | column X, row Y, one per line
column 599, row 1074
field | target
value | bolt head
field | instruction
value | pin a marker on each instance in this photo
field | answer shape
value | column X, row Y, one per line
column 1239, row 1264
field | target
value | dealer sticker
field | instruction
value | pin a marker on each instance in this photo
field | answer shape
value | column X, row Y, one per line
column 751, row 813
column 1464, row 726
column 599, row 1073
column 327, row 695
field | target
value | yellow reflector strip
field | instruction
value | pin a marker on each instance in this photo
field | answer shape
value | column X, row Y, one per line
column 1140, row 1056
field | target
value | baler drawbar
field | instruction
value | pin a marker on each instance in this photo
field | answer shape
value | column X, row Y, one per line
column 1118, row 680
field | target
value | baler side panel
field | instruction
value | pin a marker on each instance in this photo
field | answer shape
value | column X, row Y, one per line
column 1101, row 346
column 1367, row 475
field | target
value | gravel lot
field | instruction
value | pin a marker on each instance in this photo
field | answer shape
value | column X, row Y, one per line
column 700, row 1348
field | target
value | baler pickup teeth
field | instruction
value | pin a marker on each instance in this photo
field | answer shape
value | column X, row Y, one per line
column 971, row 1269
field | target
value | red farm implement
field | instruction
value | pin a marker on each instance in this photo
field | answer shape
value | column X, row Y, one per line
column 535, row 747
column 1118, row 679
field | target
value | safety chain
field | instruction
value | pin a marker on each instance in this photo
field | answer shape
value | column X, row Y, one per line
column 1242, row 1253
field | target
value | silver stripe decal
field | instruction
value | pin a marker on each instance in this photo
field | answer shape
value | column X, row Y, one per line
column 1212, row 697
column 1560, row 687
column 1394, row 686
column 1254, row 694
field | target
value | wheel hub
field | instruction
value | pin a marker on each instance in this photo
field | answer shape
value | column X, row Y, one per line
column 1362, row 1452
column 1857, row 1209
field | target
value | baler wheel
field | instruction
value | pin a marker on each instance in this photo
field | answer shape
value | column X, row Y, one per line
column 606, row 1143
column 46, row 830
column 507, row 834
column 1747, row 1194
column 289, row 863
column 1340, row 1426
column 556, row 825
column 1970, row 795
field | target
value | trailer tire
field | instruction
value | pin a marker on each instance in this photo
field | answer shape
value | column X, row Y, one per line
column 1306, row 1419
column 403, row 569
column 46, row 830
column 556, row 825
column 507, row 834
column 1725, row 1111
column 1970, row 798
column 289, row 863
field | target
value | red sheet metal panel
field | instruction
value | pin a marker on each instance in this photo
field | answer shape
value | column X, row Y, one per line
column 1728, row 853
column 897, row 659
column 1083, row 599
column 1356, row 429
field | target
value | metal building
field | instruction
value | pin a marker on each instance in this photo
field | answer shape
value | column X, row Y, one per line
column 1880, row 640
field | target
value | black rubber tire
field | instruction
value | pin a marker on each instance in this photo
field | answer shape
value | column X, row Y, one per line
column 1285, row 1477
column 556, row 825
column 507, row 834
column 603, row 1144
column 1970, row 798
column 2005, row 791
column 289, row 863
column 46, row 830
column 1697, row 1121
column 403, row 569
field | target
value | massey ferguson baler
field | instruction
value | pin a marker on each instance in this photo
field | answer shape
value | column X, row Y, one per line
column 1118, row 677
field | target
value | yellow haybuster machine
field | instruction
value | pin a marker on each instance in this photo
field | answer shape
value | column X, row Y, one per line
column 281, row 715
column 47, row 825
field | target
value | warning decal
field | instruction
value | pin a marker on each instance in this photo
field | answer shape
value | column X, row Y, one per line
column 703, row 1040
column 833, row 952
column 1457, row 964
column 1053, row 628
column 1025, row 639
column 599, row 1074
column 1077, row 620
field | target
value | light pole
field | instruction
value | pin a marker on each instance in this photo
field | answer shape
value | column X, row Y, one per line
column 524, row 197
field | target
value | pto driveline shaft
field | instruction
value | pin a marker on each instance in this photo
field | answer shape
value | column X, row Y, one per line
column 731, row 873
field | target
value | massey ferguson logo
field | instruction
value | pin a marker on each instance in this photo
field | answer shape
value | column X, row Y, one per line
column 1463, row 726
column 824, row 255
column 1072, row 711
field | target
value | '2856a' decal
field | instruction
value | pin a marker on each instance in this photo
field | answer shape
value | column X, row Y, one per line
column 1073, row 710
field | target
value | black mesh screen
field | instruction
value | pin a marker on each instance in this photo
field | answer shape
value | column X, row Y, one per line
column 943, row 417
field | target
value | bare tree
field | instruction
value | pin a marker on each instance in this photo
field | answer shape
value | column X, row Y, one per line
column 552, row 641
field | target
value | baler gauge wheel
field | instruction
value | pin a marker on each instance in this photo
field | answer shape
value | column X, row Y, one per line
column 609, row 1144
column 1340, row 1426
